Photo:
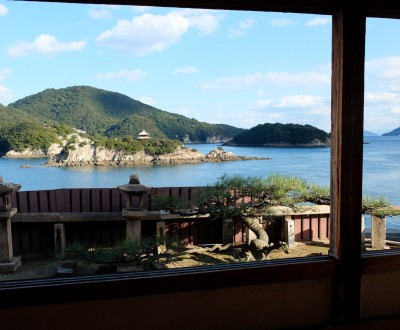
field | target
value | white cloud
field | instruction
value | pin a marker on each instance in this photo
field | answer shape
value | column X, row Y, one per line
column 250, row 119
column 140, row 9
column 123, row 74
column 241, row 30
column 145, row 34
column 318, row 21
column 4, row 73
column 205, row 21
column 301, row 109
column 395, row 87
column 382, row 97
column 387, row 68
column 103, row 12
column 44, row 44
column 3, row 10
column 148, row 100
column 382, row 110
column 100, row 14
column 301, row 101
column 155, row 33
column 310, row 78
column 186, row 70
column 280, row 22
column 261, row 104
column 5, row 94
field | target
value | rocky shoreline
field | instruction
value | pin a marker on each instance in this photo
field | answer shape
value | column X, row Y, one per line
column 105, row 157
column 83, row 152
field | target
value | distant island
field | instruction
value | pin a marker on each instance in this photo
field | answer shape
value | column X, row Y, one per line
column 368, row 133
column 281, row 135
column 395, row 132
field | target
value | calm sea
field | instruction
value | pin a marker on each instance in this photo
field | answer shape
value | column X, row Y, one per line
column 381, row 171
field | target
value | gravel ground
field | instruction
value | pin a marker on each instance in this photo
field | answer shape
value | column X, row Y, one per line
column 47, row 268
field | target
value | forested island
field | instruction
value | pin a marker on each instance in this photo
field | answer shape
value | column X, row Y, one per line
column 281, row 135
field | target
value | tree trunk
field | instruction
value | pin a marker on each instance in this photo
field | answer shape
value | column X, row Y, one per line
column 260, row 245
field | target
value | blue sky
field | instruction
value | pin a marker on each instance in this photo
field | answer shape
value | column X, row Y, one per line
column 236, row 68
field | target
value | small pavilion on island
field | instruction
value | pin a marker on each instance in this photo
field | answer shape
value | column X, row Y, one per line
column 143, row 135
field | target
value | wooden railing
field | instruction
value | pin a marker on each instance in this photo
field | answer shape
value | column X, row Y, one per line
column 95, row 215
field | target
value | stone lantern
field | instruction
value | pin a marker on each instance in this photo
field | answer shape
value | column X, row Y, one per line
column 8, row 263
column 131, row 189
column 134, row 214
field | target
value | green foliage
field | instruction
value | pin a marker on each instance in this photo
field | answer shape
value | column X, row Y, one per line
column 378, row 206
column 63, row 130
column 131, row 145
column 23, row 135
column 173, row 204
column 129, row 250
column 160, row 147
column 280, row 133
column 255, row 196
column 114, row 115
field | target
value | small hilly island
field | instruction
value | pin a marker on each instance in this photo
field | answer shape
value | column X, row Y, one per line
column 82, row 125
column 281, row 135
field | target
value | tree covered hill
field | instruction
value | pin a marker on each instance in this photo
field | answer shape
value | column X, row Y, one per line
column 284, row 135
column 115, row 115
column 393, row 133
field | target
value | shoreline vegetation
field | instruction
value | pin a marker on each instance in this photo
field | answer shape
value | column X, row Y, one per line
column 106, row 157
column 77, row 149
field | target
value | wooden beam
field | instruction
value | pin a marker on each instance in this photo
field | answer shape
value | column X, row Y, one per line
column 292, row 6
column 348, row 53
column 383, row 8
column 373, row 8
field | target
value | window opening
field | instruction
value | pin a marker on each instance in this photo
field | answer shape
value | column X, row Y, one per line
column 381, row 137
column 265, row 74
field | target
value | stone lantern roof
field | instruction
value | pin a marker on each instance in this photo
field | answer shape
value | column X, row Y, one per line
column 6, row 190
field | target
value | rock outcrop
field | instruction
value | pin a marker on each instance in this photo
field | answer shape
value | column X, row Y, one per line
column 90, row 155
column 78, row 150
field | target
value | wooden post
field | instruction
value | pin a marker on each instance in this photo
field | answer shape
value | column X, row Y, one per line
column 227, row 231
column 348, row 52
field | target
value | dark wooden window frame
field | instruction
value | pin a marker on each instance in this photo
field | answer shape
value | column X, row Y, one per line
column 345, row 265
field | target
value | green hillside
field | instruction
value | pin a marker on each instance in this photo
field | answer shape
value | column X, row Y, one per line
column 10, row 116
column 115, row 115
column 290, row 134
